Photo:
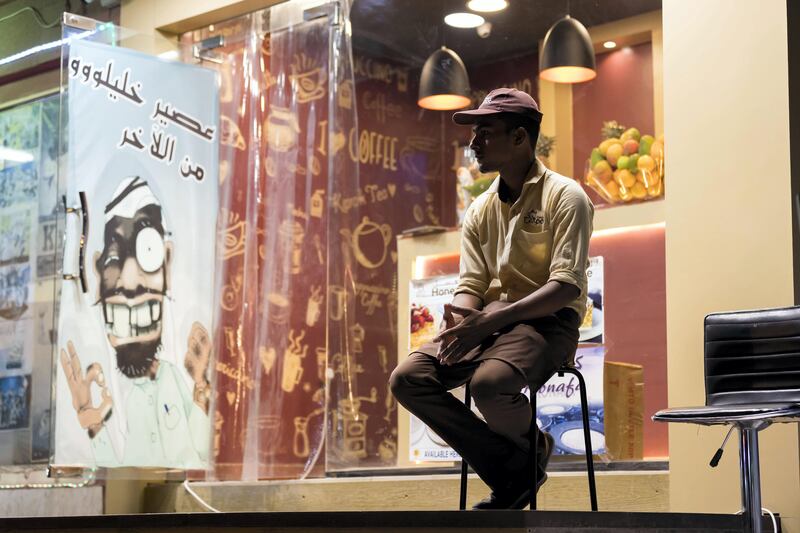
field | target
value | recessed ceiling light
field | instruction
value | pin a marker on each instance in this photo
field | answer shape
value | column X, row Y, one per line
column 610, row 44
column 463, row 20
column 487, row 6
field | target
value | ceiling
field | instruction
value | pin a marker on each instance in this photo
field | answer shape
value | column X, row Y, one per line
column 409, row 30
column 24, row 31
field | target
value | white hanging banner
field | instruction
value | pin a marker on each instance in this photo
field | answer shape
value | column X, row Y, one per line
column 134, row 340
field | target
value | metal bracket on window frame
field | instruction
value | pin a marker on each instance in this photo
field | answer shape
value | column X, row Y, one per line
column 331, row 9
column 79, row 22
column 84, row 213
column 204, row 50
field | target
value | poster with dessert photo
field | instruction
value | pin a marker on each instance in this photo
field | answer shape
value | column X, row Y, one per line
column 426, row 302
column 558, row 405
column 592, row 327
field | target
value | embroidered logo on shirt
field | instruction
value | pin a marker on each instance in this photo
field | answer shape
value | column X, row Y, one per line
column 535, row 216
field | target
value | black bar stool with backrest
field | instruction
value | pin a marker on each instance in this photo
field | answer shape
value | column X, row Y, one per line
column 752, row 375
column 533, row 434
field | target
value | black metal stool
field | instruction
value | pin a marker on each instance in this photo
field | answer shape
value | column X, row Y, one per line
column 534, row 434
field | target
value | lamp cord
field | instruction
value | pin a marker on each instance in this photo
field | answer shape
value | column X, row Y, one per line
column 771, row 515
column 443, row 25
column 36, row 15
column 198, row 499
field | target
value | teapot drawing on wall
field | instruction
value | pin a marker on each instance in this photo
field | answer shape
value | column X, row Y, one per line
column 368, row 229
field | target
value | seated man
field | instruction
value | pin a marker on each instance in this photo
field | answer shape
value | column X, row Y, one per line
column 515, row 315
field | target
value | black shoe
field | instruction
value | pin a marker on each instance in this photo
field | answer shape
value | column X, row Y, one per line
column 515, row 496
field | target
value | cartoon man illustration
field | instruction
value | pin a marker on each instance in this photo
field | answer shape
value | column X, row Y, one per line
column 166, row 424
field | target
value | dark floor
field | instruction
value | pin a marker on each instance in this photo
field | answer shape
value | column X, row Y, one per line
column 391, row 522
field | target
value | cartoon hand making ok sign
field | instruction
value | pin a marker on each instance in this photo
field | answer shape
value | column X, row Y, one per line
column 91, row 418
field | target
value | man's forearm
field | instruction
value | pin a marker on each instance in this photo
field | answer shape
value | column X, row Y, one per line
column 464, row 299
column 551, row 297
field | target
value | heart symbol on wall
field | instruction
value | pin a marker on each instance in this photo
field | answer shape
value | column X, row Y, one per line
column 231, row 397
column 392, row 188
column 339, row 141
column 267, row 357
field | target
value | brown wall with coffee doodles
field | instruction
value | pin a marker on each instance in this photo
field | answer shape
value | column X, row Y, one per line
column 392, row 172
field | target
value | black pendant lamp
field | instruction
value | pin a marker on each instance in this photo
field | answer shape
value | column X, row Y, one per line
column 444, row 84
column 567, row 53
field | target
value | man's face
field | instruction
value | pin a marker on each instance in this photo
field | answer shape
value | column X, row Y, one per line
column 133, row 271
column 492, row 144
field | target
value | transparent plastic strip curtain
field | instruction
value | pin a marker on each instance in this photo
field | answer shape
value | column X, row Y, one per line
column 74, row 28
column 359, row 251
column 287, row 437
column 278, row 89
column 236, row 267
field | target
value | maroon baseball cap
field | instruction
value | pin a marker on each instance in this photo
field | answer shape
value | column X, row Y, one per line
column 503, row 100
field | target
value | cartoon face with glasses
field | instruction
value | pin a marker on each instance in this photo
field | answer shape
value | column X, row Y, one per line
column 133, row 273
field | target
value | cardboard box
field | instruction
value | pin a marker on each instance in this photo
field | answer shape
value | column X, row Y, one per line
column 623, row 399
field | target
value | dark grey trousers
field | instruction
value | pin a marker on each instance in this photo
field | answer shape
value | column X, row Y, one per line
column 523, row 354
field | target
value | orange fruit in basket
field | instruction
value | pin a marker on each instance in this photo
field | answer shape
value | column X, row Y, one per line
column 613, row 153
column 604, row 146
column 600, row 187
column 630, row 133
column 655, row 188
column 631, row 146
column 638, row 191
column 654, row 177
column 657, row 150
column 625, row 177
column 603, row 171
column 648, row 178
column 613, row 189
column 646, row 163
column 625, row 194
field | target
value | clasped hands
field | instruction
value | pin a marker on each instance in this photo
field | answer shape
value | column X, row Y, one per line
column 463, row 329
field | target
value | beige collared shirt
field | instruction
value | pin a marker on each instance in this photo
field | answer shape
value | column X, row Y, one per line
column 510, row 251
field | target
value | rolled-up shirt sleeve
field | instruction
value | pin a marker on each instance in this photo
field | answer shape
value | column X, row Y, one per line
column 572, row 229
column 473, row 271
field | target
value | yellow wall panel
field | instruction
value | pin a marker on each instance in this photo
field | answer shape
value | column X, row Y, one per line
column 728, row 216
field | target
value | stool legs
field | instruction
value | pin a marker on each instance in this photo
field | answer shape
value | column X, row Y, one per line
column 751, row 478
column 587, row 440
column 533, row 435
column 462, row 499
column 533, row 438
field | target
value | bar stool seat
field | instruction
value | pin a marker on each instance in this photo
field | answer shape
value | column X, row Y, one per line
column 533, row 435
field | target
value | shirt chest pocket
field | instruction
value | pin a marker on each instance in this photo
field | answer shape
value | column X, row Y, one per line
column 530, row 252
